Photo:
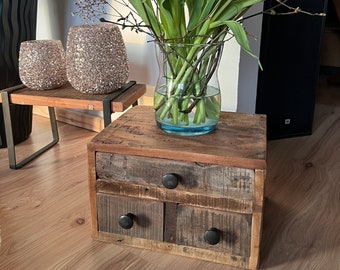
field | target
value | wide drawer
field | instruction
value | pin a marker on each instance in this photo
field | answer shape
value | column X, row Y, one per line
column 147, row 216
column 228, row 182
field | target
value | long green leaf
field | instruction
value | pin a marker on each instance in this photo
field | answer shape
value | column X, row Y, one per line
column 145, row 10
column 202, row 11
column 194, row 10
column 172, row 17
column 178, row 13
column 241, row 37
column 234, row 10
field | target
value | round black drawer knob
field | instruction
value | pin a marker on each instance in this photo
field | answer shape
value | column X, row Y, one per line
column 170, row 180
column 126, row 221
column 212, row 236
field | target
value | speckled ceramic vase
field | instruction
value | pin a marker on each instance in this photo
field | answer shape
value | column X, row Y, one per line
column 96, row 58
column 42, row 64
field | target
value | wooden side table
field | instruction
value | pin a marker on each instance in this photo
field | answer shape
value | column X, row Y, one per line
column 64, row 97
column 200, row 197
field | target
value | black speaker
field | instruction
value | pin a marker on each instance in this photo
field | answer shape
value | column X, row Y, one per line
column 290, row 56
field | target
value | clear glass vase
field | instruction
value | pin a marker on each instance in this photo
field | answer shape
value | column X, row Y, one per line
column 187, row 99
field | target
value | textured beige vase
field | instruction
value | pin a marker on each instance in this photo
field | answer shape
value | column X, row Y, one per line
column 42, row 64
column 96, row 59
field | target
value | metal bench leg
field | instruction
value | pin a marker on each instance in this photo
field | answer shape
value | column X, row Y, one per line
column 108, row 99
column 9, row 134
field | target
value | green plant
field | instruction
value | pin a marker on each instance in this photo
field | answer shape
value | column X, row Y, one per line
column 183, row 22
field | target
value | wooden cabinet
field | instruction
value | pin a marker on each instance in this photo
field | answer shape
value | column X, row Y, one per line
column 200, row 197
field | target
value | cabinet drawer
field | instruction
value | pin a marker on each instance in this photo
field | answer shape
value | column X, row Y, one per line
column 233, row 230
column 228, row 182
column 147, row 216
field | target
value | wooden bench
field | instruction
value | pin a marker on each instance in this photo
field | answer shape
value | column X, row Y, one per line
column 64, row 97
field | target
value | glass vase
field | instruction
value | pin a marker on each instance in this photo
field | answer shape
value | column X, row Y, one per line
column 187, row 99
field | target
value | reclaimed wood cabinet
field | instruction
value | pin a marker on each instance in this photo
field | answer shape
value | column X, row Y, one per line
column 200, row 197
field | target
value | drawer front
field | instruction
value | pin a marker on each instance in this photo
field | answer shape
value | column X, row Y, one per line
column 147, row 216
column 233, row 230
column 228, row 182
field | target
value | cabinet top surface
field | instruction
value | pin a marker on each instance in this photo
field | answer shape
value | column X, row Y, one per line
column 239, row 140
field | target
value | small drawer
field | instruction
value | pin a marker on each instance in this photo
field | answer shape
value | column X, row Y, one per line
column 228, row 182
column 130, row 216
column 214, row 230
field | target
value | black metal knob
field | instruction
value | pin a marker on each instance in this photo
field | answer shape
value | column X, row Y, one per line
column 126, row 221
column 212, row 236
column 170, row 180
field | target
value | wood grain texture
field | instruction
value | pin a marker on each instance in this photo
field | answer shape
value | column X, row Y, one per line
column 301, row 218
column 67, row 97
column 207, row 186
column 211, row 179
column 202, row 255
column 234, row 230
column 189, row 198
column 239, row 140
column 148, row 216
column 45, row 210
column 170, row 219
column 257, row 218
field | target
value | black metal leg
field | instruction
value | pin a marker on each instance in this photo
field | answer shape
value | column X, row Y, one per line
column 107, row 101
column 9, row 132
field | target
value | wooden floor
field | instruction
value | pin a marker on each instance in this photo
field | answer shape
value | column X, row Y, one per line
column 44, row 207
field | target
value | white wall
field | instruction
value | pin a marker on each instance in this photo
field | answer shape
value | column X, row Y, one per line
column 237, row 72
column 55, row 18
column 249, row 68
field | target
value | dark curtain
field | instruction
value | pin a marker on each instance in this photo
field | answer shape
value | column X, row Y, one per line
column 17, row 24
